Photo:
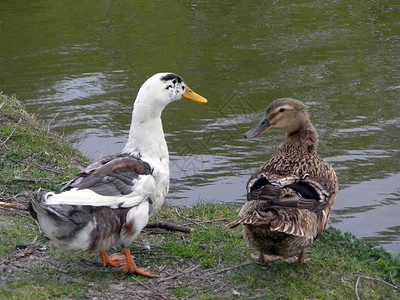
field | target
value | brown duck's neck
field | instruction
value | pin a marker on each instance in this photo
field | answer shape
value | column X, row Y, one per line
column 301, row 142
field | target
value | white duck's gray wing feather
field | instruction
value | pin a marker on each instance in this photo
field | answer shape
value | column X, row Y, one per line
column 113, row 176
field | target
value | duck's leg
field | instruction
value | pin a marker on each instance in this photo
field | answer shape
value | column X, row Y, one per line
column 132, row 268
column 104, row 258
column 302, row 257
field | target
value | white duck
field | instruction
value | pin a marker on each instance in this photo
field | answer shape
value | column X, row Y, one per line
column 110, row 202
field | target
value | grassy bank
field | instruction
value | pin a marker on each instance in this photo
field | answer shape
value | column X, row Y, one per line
column 212, row 262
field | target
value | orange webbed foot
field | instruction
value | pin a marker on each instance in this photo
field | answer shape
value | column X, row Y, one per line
column 115, row 260
column 120, row 260
column 140, row 271
column 131, row 267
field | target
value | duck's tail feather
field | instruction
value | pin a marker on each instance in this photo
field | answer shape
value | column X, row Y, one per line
column 35, row 204
column 234, row 224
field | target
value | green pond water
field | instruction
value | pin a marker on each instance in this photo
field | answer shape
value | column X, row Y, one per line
column 78, row 66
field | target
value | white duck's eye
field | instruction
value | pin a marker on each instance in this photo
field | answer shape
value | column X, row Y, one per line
column 174, row 81
column 183, row 88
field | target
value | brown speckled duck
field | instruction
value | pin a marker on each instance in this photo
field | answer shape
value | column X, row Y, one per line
column 290, row 197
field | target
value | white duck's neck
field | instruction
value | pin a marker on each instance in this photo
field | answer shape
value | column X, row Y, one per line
column 146, row 135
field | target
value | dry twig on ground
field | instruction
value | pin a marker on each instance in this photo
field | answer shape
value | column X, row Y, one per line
column 169, row 226
column 371, row 278
column 190, row 220
column 12, row 205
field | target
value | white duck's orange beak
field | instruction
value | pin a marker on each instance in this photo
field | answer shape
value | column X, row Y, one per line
column 189, row 94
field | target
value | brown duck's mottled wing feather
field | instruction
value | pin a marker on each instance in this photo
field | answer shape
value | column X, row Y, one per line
column 291, row 221
column 266, row 192
column 295, row 222
column 312, row 204
column 113, row 176
column 291, row 191
column 253, row 214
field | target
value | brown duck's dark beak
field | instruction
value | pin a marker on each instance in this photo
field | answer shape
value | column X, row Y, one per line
column 261, row 127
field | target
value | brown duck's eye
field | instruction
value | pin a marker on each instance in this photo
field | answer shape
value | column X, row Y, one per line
column 282, row 109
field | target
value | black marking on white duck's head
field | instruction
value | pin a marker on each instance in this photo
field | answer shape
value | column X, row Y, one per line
column 174, row 85
column 172, row 76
